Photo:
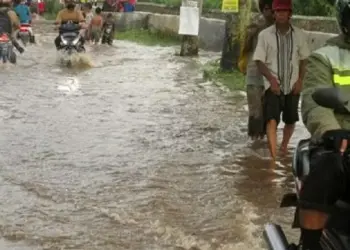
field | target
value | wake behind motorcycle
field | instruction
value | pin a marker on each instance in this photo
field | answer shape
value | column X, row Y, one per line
column 6, row 49
column 332, row 239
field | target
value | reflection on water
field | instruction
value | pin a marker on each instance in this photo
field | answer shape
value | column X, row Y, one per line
column 136, row 152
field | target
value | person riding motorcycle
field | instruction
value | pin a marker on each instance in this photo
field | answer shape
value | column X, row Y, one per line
column 69, row 14
column 329, row 176
column 25, row 17
column 9, row 22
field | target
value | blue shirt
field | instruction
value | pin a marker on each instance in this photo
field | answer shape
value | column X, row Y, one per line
column 23, row 13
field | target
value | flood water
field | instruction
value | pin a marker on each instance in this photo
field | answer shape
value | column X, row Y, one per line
column 137, row 153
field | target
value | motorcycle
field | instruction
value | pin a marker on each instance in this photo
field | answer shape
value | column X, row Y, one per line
column 70, row 40
column 6, row 49
column 24, row 34
column 106, row 36
column 334, row 240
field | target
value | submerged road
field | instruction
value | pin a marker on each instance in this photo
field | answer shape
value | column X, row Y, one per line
column 137, row 153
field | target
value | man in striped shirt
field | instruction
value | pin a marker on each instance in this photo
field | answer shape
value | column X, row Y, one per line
column 280, row 56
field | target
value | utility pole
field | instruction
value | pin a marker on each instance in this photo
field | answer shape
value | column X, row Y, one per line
column 234, row 33
column 190, row 44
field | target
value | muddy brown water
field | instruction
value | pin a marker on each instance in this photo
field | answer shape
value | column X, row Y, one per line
column 138, row 152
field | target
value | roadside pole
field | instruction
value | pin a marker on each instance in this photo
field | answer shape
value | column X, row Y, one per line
column 230, row 43
column 190, row 40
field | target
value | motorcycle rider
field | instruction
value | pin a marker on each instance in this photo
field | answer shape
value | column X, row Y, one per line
column 9, row 22
column 327, row 66
column 69, row 14
column 25, row 17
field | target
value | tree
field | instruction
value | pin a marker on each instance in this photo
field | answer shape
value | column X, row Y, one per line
column 313, row 7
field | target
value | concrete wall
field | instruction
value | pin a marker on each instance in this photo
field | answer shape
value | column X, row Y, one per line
column 312, row 23
column 211, row 31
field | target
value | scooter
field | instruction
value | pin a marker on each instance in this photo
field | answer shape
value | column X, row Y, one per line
column 332, row 240
column 24, row 34
column 70, row 41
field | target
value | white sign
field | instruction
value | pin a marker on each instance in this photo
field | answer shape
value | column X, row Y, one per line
column 189, row 21
column 192, row 4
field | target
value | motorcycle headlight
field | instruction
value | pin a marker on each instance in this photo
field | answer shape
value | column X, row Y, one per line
column 65, row 42
column 76, row 40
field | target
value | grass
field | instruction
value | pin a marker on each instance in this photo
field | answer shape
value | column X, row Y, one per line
column 146, row 37
column 233, row 80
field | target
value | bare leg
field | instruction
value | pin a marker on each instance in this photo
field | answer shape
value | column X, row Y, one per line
column 271, row 132
column 312, row 223
column 287, row 134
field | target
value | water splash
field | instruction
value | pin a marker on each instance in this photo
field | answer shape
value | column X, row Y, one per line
column 76, row 60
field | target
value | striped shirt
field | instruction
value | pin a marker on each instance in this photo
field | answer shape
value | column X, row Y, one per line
column 282, row 55
column 284, row 59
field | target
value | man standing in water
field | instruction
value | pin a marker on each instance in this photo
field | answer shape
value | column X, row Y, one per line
column 280, row 56
column 253, row 78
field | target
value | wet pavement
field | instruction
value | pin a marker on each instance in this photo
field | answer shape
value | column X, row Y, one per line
column 138, row 152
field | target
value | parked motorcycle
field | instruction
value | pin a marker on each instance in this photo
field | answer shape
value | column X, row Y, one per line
column 6, row 49
column 334, row 240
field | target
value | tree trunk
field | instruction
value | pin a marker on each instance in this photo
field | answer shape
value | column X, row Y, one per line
column 231, row 45
column 227, row 54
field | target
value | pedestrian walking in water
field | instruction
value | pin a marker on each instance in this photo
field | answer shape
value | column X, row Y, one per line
column 280, row 55
column 254, row 79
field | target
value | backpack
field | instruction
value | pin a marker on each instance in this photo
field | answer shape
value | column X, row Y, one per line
column 5, row 22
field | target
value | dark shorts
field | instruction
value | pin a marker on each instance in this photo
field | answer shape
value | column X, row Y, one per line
column 326, row 183
column 274, row 105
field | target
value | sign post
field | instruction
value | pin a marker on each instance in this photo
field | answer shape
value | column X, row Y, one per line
column 190, row 13
column 230, row 6
column 230, row 45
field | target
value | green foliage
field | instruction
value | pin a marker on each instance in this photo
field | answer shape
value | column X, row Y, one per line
column 207, row 4
column 313, row 7
column 301, row 7
column 52, row 7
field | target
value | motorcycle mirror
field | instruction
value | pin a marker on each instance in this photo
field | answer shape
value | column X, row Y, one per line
column 330, row 98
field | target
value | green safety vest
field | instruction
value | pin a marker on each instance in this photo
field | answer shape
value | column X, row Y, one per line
column 339, row 59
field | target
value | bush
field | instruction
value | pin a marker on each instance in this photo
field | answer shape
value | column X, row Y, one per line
column 301, row 7
column 52, row 7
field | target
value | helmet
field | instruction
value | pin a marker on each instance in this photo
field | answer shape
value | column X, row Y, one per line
column 282, row 5
column 263, row 3
column 342, row 8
